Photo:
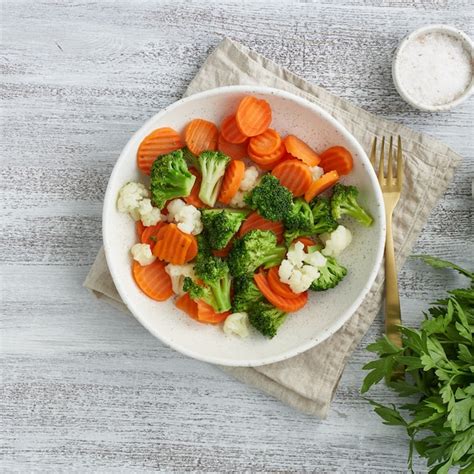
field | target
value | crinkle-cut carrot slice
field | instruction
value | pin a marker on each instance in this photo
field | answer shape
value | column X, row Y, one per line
column 299, row 149
column 207, row 314
column 288, row 305
column 193, row 198
column 268, row 160
column 256, row 221
column 266, row 143
column 160, row 142
column 233, row 150
column 201, row 135
column 139, row 228
column 337, row 158
column 192, row 250
column 320, row 185
column 172, row 245
column 233, row 176
column 150, row 234
column 294, row 175
column 188, row 305
column 153, row 280
column 253, row 116
column 278, row 286
column 230, row 131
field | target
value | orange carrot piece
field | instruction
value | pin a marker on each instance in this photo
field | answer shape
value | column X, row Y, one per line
column 172, row 245
column 280, row 288
column 159, row 142
column 150, row 234
column 324, row 182
column 222, row 253
column 139, row 228
column 299, row 149
column 337, row 158
column 266, row 143
column 231, row 132
column 256, row 221
column 253, row 116
column 306, row 241
column 201, row 135
column 294, row 175
column 288, row 305
column 234, row 174
column 192, row 250
column 233, row 150
column 153, row 280
column 268, row 160
column 193, row 198
column 188, row 305
column 207, row 314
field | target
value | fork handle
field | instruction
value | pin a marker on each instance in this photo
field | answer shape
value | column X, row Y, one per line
column 392, row 298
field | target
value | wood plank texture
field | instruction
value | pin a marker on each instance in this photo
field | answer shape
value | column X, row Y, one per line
column 86, row 388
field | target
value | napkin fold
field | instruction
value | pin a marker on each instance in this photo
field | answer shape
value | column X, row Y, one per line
column 308, row 381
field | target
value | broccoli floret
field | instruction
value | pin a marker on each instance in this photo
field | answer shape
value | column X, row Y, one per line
column 300, row 216
column 254, row 249
column 266, row 318
column 272, row 200
column 170, row 178
column 330, row 275
column 191, row 159
column 323, row 219
column 246, row 294
column 220, row 225
column 344, row 201
column 214, row 272
column 212, row 165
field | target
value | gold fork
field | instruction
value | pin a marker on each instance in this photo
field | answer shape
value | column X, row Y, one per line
column 391, row 186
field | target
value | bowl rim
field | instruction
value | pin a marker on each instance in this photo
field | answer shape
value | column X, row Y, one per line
column 110, row 200
column 451, row 30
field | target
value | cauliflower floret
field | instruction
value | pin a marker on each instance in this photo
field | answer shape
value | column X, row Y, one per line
column 296, row 254
column 316, row 259
column 238, row 324
column 285, row 270
column 336, row 241
column 177, row 274
column 149, row 215
column 316, row 172
column 142, row 254
column 186, row 216
column 250, row 179
column 238, row 200
column 129, row 198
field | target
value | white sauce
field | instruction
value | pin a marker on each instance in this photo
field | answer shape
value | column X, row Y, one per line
column 434, row 68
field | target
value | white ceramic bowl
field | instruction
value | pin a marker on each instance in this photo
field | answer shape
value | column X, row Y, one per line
column 414, row 101
column 325, row 313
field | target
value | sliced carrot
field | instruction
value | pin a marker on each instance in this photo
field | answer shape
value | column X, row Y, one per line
column 253, row 116
column 159, row 142
column 256, row 221
column 150, row 234
column 201, row 135
column 268, row 160
column 278, row 286
column 234, row 174
column 306, row 241
column 172, row 245
column 231, row 132
column 265, row 143
column 337, row 158
column 294, row 175
column 223, row 252
column 324, row 182
column 299, row 149
column 153, row 280
column 233, row 150
column 192, row 250
column 193, row 198
column 188, row 305
column 288, row 305
column 207, row 314
column 139, row 228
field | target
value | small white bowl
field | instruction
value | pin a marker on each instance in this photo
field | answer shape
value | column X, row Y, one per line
column 325, row 312
column 449, row 30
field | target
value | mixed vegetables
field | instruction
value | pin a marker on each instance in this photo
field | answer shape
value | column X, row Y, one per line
column 234, row 222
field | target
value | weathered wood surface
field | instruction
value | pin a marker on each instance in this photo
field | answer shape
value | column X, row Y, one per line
column 86, row 388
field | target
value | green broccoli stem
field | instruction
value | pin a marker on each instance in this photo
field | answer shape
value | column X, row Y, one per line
column 273, row 258
column 221, row 292
column 358, row 213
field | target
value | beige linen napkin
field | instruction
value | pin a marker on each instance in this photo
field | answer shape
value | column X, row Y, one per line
column 308, row 381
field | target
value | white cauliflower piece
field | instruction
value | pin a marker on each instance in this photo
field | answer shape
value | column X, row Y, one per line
column 316, row 172
column 238, row 200
column 186, row 216
column 149, row 215
column 336, row 241
column 237, row 324
column 177, row 274
column 142, row 254
column 250, row 179
column 129, row 198
column 316, row 259
column 296, row 254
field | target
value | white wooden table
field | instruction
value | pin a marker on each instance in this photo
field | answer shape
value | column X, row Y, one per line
column 85, row 387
